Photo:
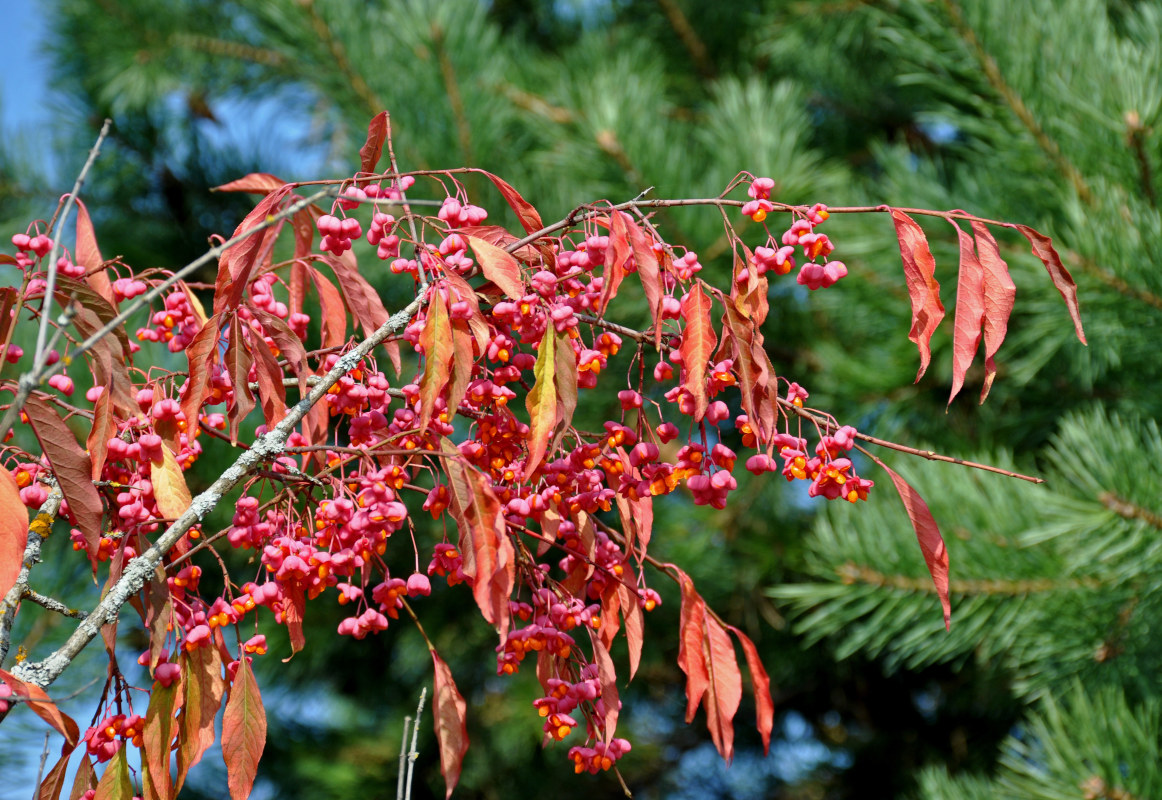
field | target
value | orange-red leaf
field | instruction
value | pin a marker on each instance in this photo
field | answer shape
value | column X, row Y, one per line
column 439, row 352
column 236, row 265
column 724, row 688
column 104, row 428
column 530, row 220
column 631, row 611
column 88, row 255
column 755, row 379
column 54, row 781
column 1043, row 249
column 43, row 706
column 647, row 267
column 243, row 732
column 359, row 295
column 928, row 534
column 86, row 778
column 255, row 183
column 969, row 314
column 617, row 256
column 499, row 267
column 607, row 675
column 541, row 400
column 924, row 291
column 203, row 687
column 698, row 342
column 157, row 737
column 13, row 531
column 450, row 715
column 170, row 491
column 334, row 322
column 271, row 392
column 462, row 364
column 72, row 467
column 238, row 362
column 690, row 631
column 115, row 783
column 373, row 148
column 999, row 295
column 761, row 683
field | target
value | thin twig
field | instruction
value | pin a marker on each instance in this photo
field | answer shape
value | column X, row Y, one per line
column 403, row 754
column 40, row 770
column 413, row 753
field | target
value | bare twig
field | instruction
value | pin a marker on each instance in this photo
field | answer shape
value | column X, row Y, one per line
column 37, row 532
column 413, row 753
column 40, row 770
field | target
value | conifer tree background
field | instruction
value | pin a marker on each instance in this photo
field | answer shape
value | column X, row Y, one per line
column 1046, row 112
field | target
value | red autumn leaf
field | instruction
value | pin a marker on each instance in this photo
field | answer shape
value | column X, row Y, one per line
column 610, row 621
column 565, row 378
column 500, row 237
column 698, row 342
column 928, row 534
column 499, row 267
column 489, row 557
column 999, row 295
column 617, row 255
column 238, row 361
column 7, row 300
column 236, row 266
column 334, row 322
column 271, row 392
column 969, row 314
column 724, row 687
column 631, row 611
column 13, row 531
column 88, row 255
column 203, row 687
column 43, row 706
column 170, row 491
column 158, row 614
column 101, row 312
column 1043, row 249
column 201, row 354
column 690, row 632
column 755, row 380
column 439, row 351
column 359, row 295
column 924, row 291
column 115, row 783
column 104, row 428
column 607, row 675
column 72, row 467
column 462, row 363
column 290, row 346
column 255, row 183
column 293, row 609
column 530, row 220
column 761, row 684
column 541, row 400
column 462, row 290
column 86, row 778
column 157, row 737
column 647, row 267
column 450, row 715
column 243, row 732
column 372, row 149
column 54, row 781
column 752, row 300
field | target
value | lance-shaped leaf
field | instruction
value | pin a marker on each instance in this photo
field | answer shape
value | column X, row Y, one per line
column 647, row 267
column 255, row 183
column 1044, row 250
column 450, row 715
column 243, row 732
column 530, row 220
column 489, row 557
column 72, row 467
column 13, row 531
column 201, row 354
column 157, row 737
column 94, row 311
column 104, row 428
column 999, row 295
column 372, row 149
column 499, row 267
column 236, row 266
column 724, row 687
column 238, row 362
column 290, row 346
column 293, row 607
column 923, row 290
column 755, row 380
column 462, row 364
column 610, row 606
column 928, row 534
column 698, row 342
column 565, row 379
column 203, row 687
column 359, row 295
column 761, row 684
column 88, row 255
column 439, row 352
column 541, row 400
column 607, row 675
column 690, row 632
column 631, row 611
column 751, row 297
column 43, row 706
column 969, row 315
column 170, row 491
column 334, row 322
column 54, row 781
column 85, row 780
column 271, row 392
column 115, row 783
column 617, row 256
column 7, row 301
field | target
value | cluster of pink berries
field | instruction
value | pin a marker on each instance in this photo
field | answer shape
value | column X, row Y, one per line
column 176, row 324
